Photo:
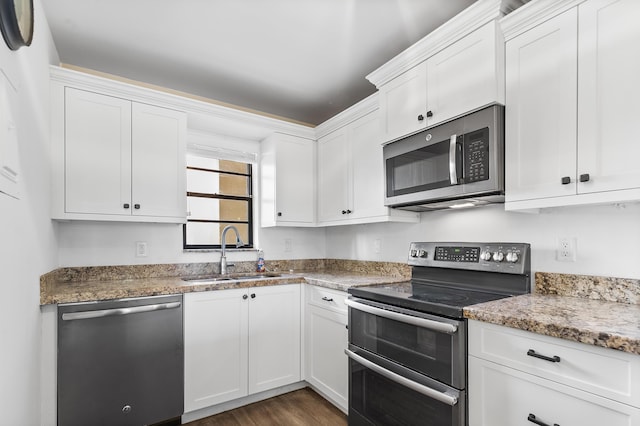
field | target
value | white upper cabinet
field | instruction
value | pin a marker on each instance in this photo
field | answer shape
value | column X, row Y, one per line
column 351, row 176
column 571, row 103
column 115, row 159
column 287, row 176
column 540, row 130
column 608, row 95
column 465, row 75
column 403, row 103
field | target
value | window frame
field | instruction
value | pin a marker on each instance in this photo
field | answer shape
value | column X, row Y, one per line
column 248, row 198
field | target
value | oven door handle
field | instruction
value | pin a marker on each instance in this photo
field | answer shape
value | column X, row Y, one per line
column 442, row 327
column 395, row 377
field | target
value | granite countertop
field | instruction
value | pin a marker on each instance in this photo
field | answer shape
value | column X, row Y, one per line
column 569, row 314
column 105, row 283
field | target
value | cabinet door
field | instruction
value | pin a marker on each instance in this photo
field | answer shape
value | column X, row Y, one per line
column 609, row 93
column 215, row 347
column 158, row 161
column 327, row 365
column 541, row 113
column 274, row 337
column 97, row 153
column 334, row 177
column 501, row 396
column 295, row 171
column 403, row 101
column 464, row 76
column 367, row 164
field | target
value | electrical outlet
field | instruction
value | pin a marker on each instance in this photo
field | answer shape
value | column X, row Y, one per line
column 377, row 244
column 288, row 245
column 141, row 249
column 566, row 250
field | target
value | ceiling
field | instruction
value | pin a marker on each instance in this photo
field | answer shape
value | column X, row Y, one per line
column 303, row 60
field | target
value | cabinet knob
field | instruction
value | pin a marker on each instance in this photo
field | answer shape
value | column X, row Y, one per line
column 429, row 114
column 585, row 177
column 420, row 117
column 566, row 180
column 253, row 295
column 344, row 212
column 279, row 214
column 349, row 211
column 125, row 205
column 136, row 206
column 245, row 297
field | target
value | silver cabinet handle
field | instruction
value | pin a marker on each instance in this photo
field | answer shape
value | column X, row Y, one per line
column 442, row 327
column 453, row 169
column 70, row 316
column 327, row 299
column 424, row 390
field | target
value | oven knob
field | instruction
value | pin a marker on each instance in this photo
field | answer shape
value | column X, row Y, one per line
column 512, row 257
column 422, row 253
column 485, row 255
column 413, row 253
column 498, row 256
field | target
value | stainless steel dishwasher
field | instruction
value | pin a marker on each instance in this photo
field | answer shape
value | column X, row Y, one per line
column 120, row 362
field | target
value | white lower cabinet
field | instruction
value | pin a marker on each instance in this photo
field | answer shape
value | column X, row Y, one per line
column 239, row 342
column 521, row 378
column 326, row 338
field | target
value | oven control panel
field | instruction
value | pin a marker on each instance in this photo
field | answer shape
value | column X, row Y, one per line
column 495, row 257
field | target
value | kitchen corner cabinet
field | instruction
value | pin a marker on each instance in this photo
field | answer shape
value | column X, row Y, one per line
column 464, row 76
column 351, row 176
column 326, row 338
column 287, row 176
column 115, row 159
column 572, row 90
column 587, row 385
column 240, row 342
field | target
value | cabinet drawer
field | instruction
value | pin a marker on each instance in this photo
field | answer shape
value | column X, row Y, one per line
column 602, row 371
column 327, row 298
column 502, row 396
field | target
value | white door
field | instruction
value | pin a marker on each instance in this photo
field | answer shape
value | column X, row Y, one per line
column 609, row 95
column 463, row 76
column 215, row 347
column 334, row 180
column 274, row 336
column 368, row 167
column 295, row 171
column 502, row 396
column 403, row 102
column 158, row 157
column 97, row 153
column 541, row 112
column 327, row 365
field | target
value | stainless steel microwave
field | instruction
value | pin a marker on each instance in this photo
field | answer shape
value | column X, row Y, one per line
column 456, row 164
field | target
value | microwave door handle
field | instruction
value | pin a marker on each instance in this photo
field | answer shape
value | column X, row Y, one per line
column 420, row 388
column 453, row 165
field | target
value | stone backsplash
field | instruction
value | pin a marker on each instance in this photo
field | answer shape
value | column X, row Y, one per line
column 610, row 289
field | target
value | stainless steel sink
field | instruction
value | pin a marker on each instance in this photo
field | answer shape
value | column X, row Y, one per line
column 220, row 279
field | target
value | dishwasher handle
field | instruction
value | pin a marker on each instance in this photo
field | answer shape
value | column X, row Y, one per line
column 70, row 316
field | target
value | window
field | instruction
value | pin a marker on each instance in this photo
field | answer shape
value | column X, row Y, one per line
column 218, row 194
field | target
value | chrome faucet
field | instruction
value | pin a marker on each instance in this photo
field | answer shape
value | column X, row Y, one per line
column 223, row 257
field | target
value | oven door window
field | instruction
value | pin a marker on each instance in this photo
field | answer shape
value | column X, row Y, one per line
column 377, row 400
column 432, row 353
column 419, row 170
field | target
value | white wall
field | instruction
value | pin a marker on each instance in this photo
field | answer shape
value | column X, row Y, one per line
column 90, row 244
column 28, row 239
column 608, row 237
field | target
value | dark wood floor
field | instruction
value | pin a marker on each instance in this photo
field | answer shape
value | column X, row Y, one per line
column 299, row 408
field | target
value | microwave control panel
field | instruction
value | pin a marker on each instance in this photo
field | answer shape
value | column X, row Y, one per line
column 476, row 156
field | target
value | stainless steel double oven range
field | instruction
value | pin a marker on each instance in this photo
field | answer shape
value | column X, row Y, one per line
column 408, row 341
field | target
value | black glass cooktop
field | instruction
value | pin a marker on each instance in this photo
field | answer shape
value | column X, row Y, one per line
column 425, row 297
